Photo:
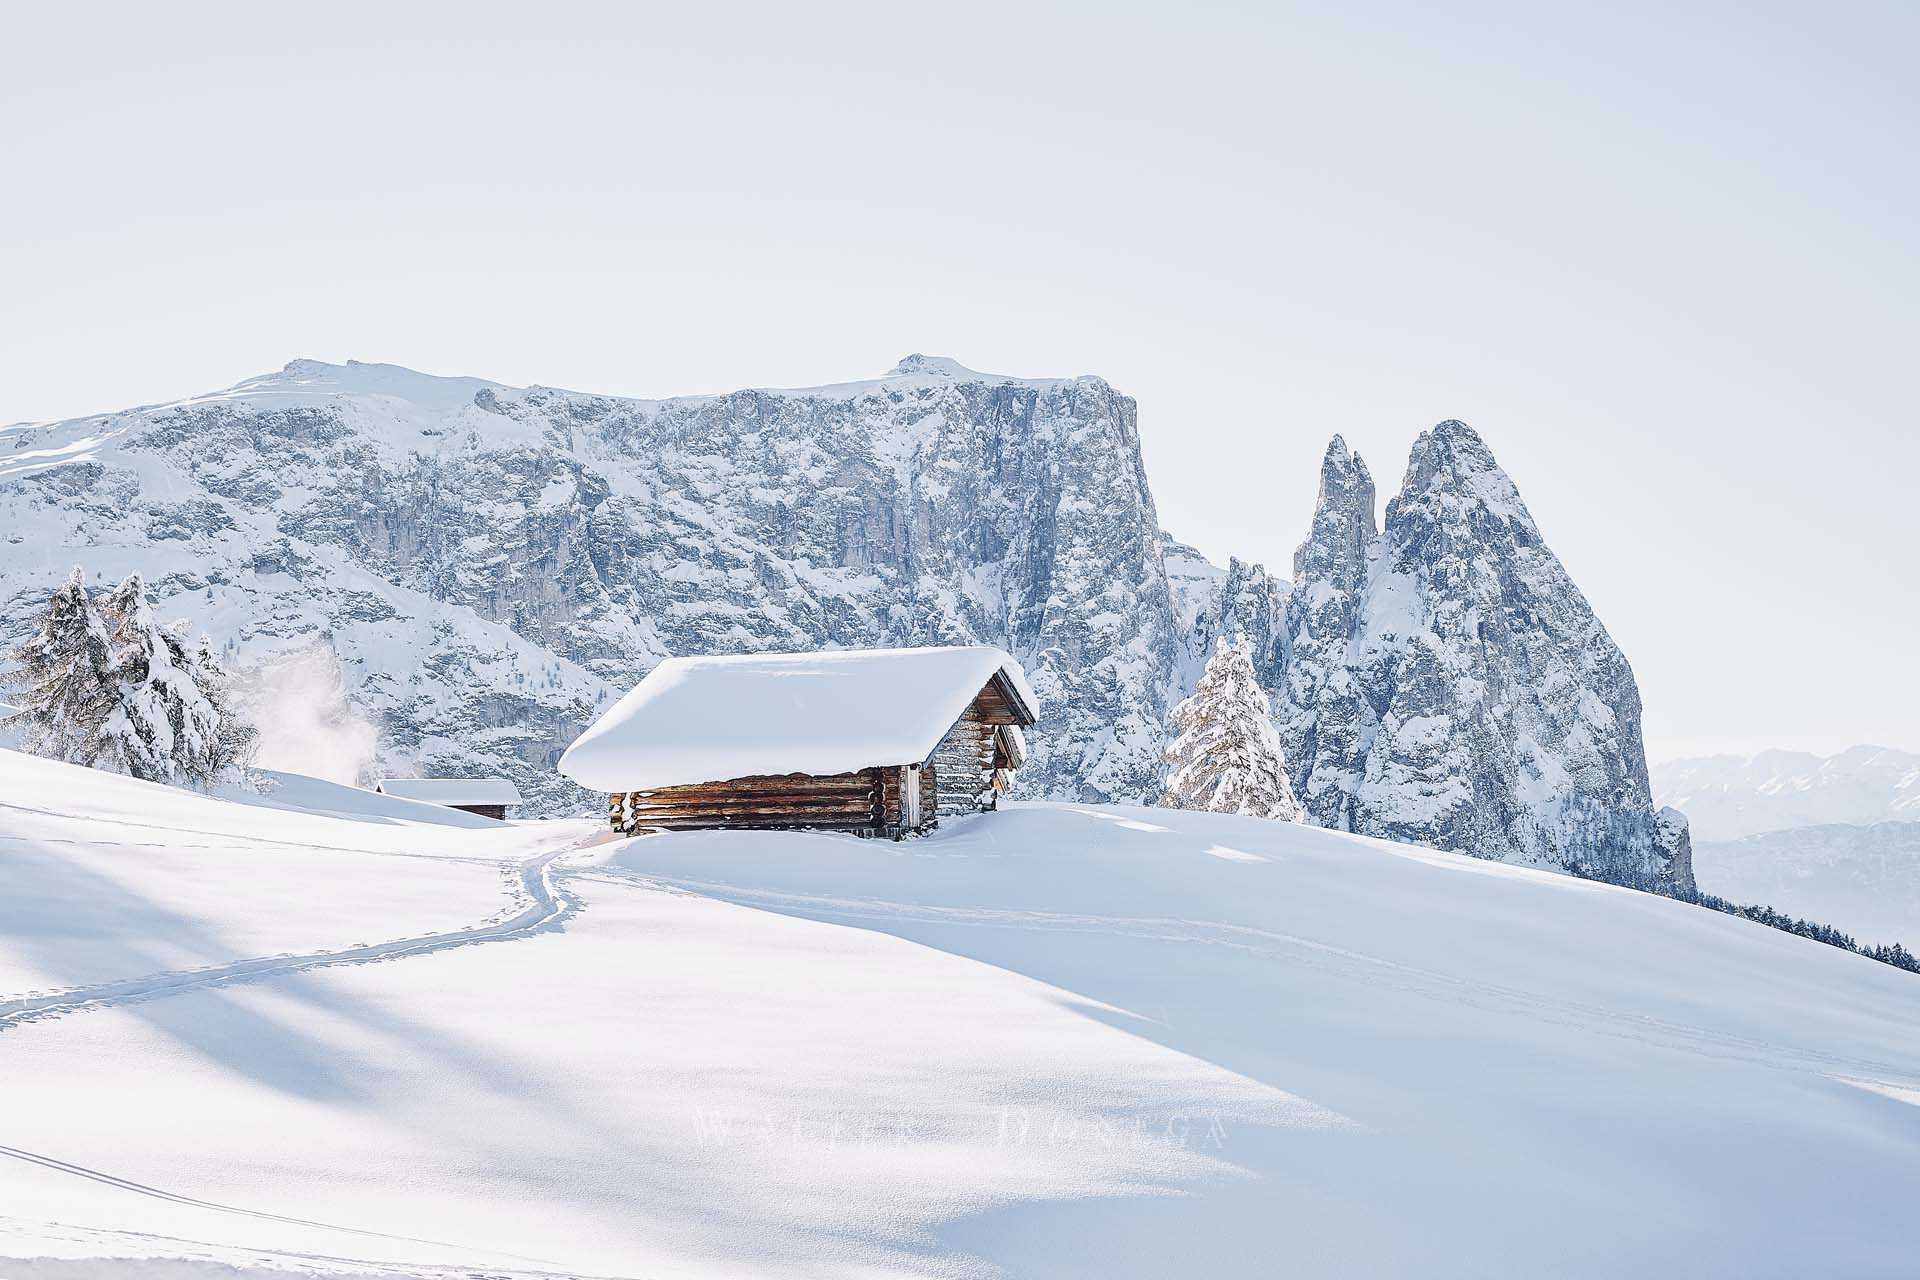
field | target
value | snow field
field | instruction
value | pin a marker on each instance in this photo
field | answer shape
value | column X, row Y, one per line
column 1057, row 1040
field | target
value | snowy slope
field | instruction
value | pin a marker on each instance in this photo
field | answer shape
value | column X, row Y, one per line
column 1058, row 1040
column 104, row 878
column 1730, row 796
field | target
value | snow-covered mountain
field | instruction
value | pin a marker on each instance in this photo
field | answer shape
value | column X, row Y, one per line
column 1730, row 796
column 492, row 564
column 1441, row 680
column 1862, row 879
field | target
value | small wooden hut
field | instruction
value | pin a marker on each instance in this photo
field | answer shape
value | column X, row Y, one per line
column 878, row 742
column 488, row 797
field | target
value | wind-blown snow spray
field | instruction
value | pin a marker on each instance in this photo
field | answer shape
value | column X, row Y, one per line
column 307, row 725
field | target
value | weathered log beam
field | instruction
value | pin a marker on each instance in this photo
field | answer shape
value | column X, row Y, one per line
column 822, row 787
column 768, row 797
column 768, row 822
column 781, row 781
column 761, row 802
column 824, row 813
column 728, row 789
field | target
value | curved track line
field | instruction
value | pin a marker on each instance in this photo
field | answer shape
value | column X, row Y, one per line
column 546, row 907
column 126, row 1184
column 242, row 838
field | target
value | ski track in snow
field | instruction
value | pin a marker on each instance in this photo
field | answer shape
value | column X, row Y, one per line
column 237, row 842
column 239, row 1261
column 545, row 906
column 1339, row 962
column 542, row 906
column 141, row 1188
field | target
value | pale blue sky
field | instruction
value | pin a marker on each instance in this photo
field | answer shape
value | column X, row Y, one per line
column 1661, row 256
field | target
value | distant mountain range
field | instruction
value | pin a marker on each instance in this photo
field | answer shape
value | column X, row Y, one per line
column 1729, row 796
column 492, row 564
column 1829, row 838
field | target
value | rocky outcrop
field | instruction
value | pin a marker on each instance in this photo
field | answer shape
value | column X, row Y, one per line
column 1445, row 683
column 1327, row 726
column 1673, row 843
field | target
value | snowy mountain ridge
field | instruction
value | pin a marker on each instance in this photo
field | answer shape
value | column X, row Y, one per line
column 493, row 564
column 1728, row 797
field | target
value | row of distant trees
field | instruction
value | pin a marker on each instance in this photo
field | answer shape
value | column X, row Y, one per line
column 101, row 683
column 1887, row 953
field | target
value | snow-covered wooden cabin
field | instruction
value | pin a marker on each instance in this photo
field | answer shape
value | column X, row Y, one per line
column 488, row 797
column 879, row 742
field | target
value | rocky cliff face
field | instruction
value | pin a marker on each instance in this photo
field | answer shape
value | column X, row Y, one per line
column 492, row 564
column 1443, row 681
column 1327, row 724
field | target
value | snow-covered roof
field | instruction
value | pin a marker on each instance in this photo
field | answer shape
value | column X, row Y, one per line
column 711, row 719
column 450, row 791
column 1016, row 744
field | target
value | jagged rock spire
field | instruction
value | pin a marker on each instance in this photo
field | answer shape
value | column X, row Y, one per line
column 1452, row 459
column 1336, row 546
column 1324, row 724
column 1445, row 682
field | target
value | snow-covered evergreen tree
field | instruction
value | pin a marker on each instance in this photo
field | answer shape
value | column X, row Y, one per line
column 1225, row 756
column 236, row 741
column 163, row 729
column 102, row 684
column 63, row 679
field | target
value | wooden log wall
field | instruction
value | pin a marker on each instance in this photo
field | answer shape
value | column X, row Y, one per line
column 963, row 765
column 892, row 808
column 843, row 801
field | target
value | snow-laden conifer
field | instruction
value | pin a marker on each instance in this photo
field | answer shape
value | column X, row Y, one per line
column 235, row 740
column 163, row 728
column 1225, row 756
column 63, row 681
column 101, row 683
